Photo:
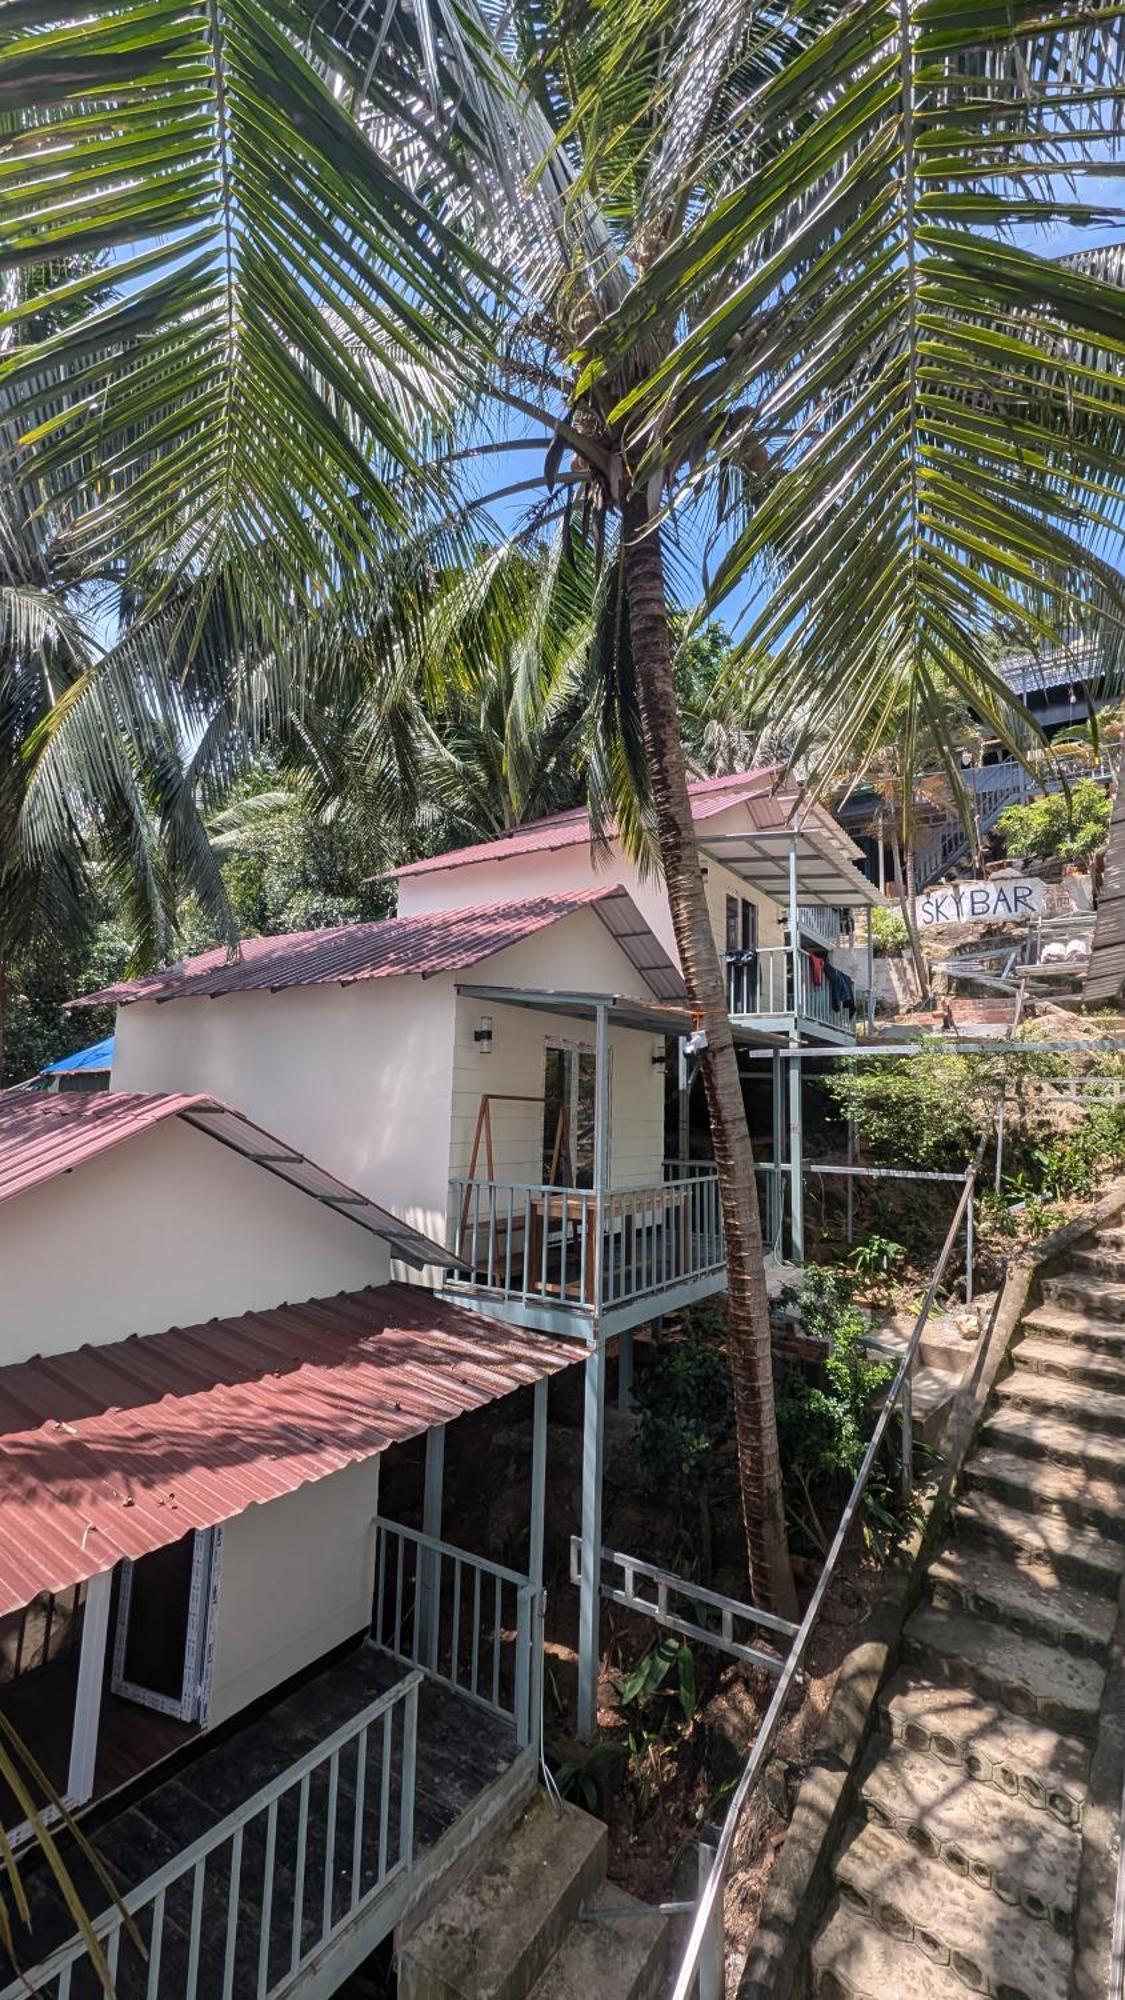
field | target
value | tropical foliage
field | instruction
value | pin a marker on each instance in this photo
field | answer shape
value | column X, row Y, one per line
column 754, row 288
column 1060, row 826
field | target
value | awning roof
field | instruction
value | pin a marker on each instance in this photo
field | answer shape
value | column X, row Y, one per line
column 97, row 1057
column 648, row 1017
column 42, row 1137
column 114, row 1451
column 826, row 871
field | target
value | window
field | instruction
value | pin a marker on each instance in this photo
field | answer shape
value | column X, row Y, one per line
column 568, row 1116
column 742, row 924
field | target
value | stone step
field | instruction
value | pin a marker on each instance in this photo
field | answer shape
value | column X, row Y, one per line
column 1031, row 1679
column 1050, row 1547
column 1098, row 1298
column 1065, row 1491
column 988, row 1945
column 999, row 1842
column 1018, row 1755
column 1057, row 1358
column 852, row 1959
column 1077, row 1327
column 1058, row 1614
column 1100, row 1259
column 495, row 1934
column 1032, row 1434
column 616, row 1958
column 1051, row 1395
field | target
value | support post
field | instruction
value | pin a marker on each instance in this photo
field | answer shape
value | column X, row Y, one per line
column 796, row 1159
column 88, row 1694
column 712, row 1957
column 849, row 1182
column 870, row 972
column 593, row 1441
column 429, row 1577
column 969, row 1242
column 794, row 927
column 625, row 1369
column 777, row 1178
column 601, row 1155
column 535, row 1539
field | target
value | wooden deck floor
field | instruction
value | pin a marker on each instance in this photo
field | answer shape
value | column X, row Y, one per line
column 131, row 1739
column 461, row 1750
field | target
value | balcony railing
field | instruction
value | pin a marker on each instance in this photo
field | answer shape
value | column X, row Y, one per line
column 761, row 983
column 541, row 1244
column 271, row 1888
column 466, row 1622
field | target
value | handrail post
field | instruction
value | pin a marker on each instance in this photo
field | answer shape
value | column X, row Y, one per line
column 969, row 1243
column 409, row 1765
column 712, row 1966
column 907, row 1440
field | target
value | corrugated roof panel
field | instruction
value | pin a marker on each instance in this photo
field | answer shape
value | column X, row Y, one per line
column 573, row 829
column 434, row 942
column 115, row 1451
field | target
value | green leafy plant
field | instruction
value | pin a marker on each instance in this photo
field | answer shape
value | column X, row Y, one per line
column 1061, row 826
column 580, row 1776
column 889, row 934
column 877, row 1258
column 649, row 1675
column 686, row 1427
column 824, row 1422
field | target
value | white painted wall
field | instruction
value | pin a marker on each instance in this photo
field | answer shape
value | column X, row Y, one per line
column 164, row 1230
column 358, row 1077
column 515, row 1066
column 581, row 867
column 296, row 1579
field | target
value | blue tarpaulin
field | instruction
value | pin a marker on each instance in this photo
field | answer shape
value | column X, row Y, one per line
column 98, row 1056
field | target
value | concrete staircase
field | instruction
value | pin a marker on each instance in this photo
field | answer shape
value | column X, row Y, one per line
column 962, row 1875
column 532, row 1922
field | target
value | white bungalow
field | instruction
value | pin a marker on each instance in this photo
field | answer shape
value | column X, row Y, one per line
column 288, row 1713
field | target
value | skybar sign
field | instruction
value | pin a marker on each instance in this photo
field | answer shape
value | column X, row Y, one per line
column 1005, row 900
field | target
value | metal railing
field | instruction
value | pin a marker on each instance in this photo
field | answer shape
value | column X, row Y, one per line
column 570, row 1244
column 898, row 1396
column 724, row 1614
column 761, row 982
column 1116, row 1989
column 272, row 1884
column 463, row 1620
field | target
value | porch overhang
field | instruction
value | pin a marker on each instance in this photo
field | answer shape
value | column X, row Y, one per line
column 646, row 1017
column 826, row 871
column 110, row 1453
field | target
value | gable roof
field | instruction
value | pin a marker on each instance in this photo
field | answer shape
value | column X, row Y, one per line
column 709, row 796
column 42, row 1137
column 117, row 1450
column 442, row 941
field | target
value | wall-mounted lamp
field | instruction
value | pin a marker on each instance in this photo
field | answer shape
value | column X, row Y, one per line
column 659, row 1054
column 482, row 1035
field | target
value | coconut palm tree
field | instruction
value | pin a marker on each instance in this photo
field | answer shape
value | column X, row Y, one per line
column 748, row 279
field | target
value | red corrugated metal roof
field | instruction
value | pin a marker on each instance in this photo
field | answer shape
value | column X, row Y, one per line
column 44, row 1136
column 115, row 1451
column 572, row 829
column 444, row 941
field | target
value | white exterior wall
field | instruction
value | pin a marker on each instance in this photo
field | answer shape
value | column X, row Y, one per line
column 164, row 1230
column 583, row 867
column 357, row 1077
column 515, row 1066
column 296, row 1580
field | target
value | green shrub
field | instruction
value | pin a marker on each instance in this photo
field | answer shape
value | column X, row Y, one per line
column 824, row 1425
column 888, row 932
column 1059, row 826
column 686, row 1416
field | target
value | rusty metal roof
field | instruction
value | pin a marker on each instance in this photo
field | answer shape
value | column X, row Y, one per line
column 442, row 941
column 44, row 1136
column 709, row 796
column 115, row 1451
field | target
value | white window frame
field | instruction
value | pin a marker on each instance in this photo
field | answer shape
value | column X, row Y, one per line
column 191, row 1703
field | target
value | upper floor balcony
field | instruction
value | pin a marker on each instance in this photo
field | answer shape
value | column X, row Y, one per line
column 780, row 990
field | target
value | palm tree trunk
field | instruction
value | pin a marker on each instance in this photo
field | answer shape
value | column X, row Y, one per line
column 904, row 876
column 748, row 1320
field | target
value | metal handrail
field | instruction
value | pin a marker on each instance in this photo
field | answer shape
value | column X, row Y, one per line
column 192, row 1860
column 1116, row 1989
column 763, row 1742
